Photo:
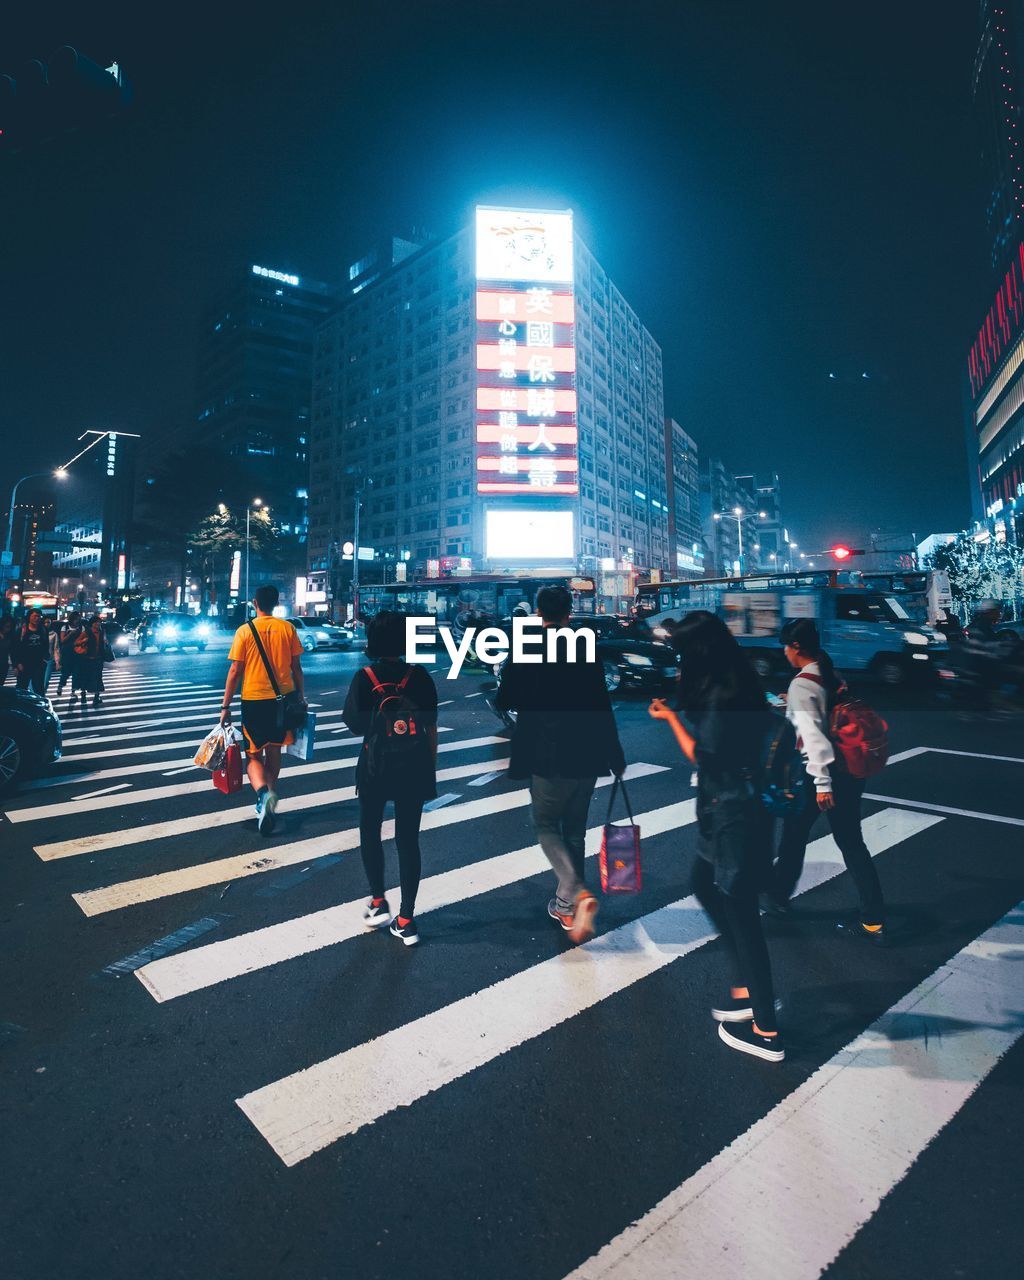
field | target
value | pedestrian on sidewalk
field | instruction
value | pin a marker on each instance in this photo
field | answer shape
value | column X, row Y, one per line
column 64, row 648
column 393, row 705
column 6, row 643
column 729, row 719
column 266, row 660
column 565, row 737
column 91, row 652
column 30, row 653
column 809, row 701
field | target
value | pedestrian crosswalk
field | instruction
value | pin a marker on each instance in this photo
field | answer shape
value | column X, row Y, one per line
column 128, row 825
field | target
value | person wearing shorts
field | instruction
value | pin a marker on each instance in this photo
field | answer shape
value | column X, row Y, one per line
column 261, row 725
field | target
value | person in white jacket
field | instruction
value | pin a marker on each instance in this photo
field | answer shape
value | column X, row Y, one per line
column 809, row 701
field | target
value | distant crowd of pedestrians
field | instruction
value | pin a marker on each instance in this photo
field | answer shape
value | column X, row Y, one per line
column 36, row 649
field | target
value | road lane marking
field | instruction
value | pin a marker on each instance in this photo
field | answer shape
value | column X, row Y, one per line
column 820, row 1163
column 94, row 902
column 76, row 805
column 946, row 809
column 259, row 949
column 189, row 744
column 307, row 1111
column 39, row 812
column 975, row 755
column 163, row 946
column 221, row 818
column 484, row 779
column 440, row 801
column 103, row 732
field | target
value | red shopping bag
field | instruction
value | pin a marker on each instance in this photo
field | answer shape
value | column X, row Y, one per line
column 228, row 778
column 620, row 850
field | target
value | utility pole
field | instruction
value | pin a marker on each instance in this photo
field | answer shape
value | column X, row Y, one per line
column 361, row 488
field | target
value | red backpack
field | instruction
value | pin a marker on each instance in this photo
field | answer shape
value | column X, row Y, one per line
column 858, row 733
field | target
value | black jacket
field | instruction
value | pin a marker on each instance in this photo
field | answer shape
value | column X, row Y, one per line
column 565, row 726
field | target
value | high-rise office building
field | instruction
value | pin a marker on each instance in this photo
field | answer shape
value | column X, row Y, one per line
column 682, row 491
column 498, row 405
column 994, row 384
column 770, row 547
column 255, row 380
column 719, row 501
column 996, row 99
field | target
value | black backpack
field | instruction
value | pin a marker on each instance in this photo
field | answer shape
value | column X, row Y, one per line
column 783, row 773
column 396, row 736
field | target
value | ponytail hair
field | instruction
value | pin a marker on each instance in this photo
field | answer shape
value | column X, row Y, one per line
column 803, row 632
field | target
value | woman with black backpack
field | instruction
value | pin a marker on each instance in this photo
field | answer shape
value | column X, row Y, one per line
column 809, row 704
column 394, row 706
column 729, row 721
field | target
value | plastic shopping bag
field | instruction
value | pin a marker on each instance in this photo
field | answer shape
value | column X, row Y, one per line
column 228, row 778
column 213, row 747
column 302, row 747
column 619, row 858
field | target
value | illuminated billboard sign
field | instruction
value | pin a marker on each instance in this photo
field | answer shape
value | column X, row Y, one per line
column 526, row 432
column 530, row 535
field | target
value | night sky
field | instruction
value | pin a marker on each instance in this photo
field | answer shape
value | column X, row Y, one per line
column 782, row 191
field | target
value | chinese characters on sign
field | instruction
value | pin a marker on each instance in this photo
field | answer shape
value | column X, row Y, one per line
column 526, row 430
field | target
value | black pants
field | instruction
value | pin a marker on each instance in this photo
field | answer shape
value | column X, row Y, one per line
column 737, row 917
column 407, row 840
column 844, row 822
column 34, row 677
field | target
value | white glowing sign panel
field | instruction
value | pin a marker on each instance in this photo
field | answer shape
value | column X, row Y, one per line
column 526, row 433
column 522, row 536
column 281, row 276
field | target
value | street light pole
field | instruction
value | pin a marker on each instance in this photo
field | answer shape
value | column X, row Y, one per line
column 258, row 503
column 361, row 488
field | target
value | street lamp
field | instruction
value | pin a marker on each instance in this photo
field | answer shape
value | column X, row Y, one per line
column 57, row 474
column 361, row 488
column 739, row 515
column 256, row 504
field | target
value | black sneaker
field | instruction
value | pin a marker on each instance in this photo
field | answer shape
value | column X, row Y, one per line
column 876, row 937
column 733, row 1010
column 742, row 1036
column 406, row 932
column 376, row 917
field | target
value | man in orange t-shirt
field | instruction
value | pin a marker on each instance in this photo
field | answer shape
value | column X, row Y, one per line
column 260, row 719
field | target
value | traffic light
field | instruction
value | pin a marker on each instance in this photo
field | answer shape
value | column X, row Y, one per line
column 843, row 552
column 45, row 100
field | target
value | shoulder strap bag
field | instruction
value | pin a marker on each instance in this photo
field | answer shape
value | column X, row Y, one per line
column 291, row 707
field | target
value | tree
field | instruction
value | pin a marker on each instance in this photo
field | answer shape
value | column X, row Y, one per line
column 981, row 571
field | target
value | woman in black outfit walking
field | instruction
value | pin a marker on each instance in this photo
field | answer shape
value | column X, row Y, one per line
column 394, row 706
column 31, row 652
column 725, row 707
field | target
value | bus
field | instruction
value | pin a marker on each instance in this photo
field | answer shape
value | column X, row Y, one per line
column 867, row 623
column 495, row 595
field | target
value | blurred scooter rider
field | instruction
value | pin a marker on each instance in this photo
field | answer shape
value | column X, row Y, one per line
column 985, row 651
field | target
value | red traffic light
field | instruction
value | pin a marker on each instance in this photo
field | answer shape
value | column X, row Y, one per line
column 841, row 553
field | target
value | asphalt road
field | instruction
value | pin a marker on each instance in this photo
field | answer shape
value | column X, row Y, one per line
column 274, row 1093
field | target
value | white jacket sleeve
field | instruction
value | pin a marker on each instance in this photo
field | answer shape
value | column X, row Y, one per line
column 807, row 709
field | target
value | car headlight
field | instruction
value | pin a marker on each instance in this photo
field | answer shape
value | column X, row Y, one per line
column 638, row 660
column 167, row 633
column 122, row 642
column 661, row 632
column 670, row 673
column 203, row 629
column 915, row 637
column 322, row 635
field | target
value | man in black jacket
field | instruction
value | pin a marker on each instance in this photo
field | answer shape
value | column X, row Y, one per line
column 565, row 737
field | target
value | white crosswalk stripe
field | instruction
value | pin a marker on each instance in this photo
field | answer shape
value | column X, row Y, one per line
column 305, row 1112
column 831, row 1151
column 149, row 888
column 174, row 791
column 217, row 962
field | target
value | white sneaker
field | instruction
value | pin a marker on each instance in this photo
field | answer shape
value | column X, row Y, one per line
column 376, row 917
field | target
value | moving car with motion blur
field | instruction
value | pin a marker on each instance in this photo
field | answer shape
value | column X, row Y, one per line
column 628, row 661
column 119, row 638
column 30, row 736
column 316, row 633
column 174, row 631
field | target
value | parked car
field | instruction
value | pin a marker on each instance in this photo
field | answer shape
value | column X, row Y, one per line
column 30, row 735
column 316, row 633
column 174, row 631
